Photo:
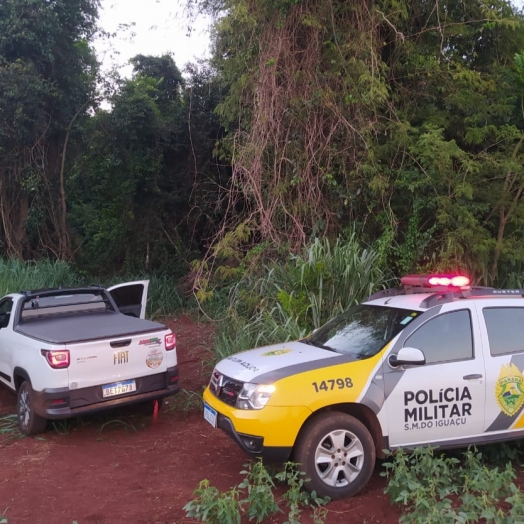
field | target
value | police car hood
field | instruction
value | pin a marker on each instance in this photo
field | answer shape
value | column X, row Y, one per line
column 271, row 363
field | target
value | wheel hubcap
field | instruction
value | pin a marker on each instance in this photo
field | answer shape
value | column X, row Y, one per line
column 24, row 409
column 339, row 458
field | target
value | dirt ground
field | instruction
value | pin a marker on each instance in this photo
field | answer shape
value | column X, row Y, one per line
column 127, row 468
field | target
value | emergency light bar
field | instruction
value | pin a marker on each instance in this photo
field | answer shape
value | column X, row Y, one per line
column 448, row 281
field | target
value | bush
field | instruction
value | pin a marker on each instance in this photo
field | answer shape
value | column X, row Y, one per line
column 291, row 299
column 440, row 489
column 255, row 497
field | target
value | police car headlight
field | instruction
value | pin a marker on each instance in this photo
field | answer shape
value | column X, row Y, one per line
column 255, row 396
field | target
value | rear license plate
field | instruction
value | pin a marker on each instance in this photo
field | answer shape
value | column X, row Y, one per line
column 210, row 415
column 118, row 388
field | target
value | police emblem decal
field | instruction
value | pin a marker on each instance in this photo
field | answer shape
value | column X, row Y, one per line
column 509, row 389
column 276, row 352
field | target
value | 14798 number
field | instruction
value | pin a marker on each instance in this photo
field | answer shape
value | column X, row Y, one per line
column 331, row 384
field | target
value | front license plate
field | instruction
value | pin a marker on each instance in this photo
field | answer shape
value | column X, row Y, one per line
column 118, row 388
column 210, row 415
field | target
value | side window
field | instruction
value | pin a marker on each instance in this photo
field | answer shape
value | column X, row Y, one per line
column 445, row 338
column 5, row 312
column 505, row 327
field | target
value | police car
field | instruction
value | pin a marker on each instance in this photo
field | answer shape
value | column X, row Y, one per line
column 434, row 361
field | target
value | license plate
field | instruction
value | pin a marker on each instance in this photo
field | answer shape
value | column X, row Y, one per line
column 210, row 415
column 118, row 388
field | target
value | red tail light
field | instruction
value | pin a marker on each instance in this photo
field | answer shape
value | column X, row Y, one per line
column 57, row 359
column 170, row 341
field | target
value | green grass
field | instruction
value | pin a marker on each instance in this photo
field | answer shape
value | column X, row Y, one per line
column 441, row 488
column 18, row 276
column 163, row 297
column 9, row 428
column 185, row 401
column 286, row 301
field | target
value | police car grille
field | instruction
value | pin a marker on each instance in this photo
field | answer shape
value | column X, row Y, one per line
column 225, row 388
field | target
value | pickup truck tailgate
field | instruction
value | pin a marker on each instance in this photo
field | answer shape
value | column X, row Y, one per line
column 116, row 363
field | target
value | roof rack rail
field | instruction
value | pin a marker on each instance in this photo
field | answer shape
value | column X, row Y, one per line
column 442, row 294
column 477, row 291
column 60, row 291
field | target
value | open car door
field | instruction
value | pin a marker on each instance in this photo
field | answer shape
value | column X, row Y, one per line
column 131, row 297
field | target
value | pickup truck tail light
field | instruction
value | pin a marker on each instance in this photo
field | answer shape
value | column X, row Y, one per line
column 57, row 359
column 170, row 341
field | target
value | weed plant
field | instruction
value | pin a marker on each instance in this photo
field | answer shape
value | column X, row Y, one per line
column 255, row 497
column 186, row 401
column 443, row 489
column 259, row 485
column 9, row 428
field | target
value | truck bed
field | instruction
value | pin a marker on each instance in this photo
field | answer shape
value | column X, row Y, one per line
column 75, row 328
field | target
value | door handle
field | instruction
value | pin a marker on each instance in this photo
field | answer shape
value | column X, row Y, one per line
column 472, row 377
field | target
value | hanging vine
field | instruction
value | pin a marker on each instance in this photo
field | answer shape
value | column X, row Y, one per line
column 312, row 91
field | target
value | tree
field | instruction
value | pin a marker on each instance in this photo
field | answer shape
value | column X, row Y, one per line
column 47, row 74
column 143, row 195
column 402, row 119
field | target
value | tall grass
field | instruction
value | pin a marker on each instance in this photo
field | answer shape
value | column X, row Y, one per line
column 164, row 297
column 292, row 298
column 325, row 280
column 16, row 276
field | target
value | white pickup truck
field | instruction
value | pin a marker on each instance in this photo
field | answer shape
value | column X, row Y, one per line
column 72, row 351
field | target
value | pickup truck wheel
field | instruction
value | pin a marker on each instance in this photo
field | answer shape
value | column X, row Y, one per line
column 28, row 421
column 337, row 453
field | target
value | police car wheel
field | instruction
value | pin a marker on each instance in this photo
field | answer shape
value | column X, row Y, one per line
column 337, row 453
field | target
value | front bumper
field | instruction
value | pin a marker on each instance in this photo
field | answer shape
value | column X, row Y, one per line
column 61, row 403
column 268, row 433
column 252, row 444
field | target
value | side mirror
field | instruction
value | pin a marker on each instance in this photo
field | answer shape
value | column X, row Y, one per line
column 407, row 357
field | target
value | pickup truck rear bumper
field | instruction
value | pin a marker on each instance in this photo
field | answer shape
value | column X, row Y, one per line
column 60, row 403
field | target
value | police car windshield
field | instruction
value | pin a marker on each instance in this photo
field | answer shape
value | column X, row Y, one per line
column 362, row 331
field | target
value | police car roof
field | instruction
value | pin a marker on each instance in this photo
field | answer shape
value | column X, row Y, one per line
column 421, row 298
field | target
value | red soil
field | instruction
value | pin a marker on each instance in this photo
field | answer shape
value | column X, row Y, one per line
column 126, row 468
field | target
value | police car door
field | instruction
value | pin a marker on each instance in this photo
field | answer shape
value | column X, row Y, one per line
column 441, row 400
column 502, row 325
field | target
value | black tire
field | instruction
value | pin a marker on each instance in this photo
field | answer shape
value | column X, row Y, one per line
column 337, row 454
column 28, row 421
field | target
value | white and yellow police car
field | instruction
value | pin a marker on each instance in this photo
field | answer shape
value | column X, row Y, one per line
column 434, row 361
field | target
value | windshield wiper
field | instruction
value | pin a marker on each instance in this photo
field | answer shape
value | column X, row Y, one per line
column 321, row 346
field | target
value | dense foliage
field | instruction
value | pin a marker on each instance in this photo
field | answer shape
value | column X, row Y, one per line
column 287, row 300
column 438, row 489
column 128, row 188
column 401, row 120
column 47, row 81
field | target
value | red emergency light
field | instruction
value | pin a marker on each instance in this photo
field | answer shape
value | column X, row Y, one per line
column 449, row 281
